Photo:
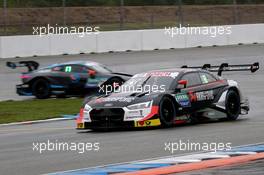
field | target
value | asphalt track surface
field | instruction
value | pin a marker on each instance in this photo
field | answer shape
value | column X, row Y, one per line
column 16, row 145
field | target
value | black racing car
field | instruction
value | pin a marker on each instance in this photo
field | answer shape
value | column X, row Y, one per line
column 71, row 78
column 168, row 97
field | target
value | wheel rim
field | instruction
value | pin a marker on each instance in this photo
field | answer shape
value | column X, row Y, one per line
column 41, row 89
column 233, row 104
column 167, row 111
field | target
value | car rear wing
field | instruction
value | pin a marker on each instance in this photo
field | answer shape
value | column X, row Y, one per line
column 225, row 67
column 31, row 65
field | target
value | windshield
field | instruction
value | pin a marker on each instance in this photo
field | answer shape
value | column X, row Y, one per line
column 149, row 82
column 101, row 68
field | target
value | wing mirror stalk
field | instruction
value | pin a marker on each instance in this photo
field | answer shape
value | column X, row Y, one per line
column 92, row 73
column 182, row 84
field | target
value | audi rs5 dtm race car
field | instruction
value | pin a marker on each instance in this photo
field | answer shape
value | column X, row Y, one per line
column 168, row 97
column 71, row 78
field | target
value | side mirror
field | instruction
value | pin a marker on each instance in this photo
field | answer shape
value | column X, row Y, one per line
column 91, row 73
column 182, row 84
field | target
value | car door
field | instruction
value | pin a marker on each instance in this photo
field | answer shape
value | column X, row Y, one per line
column 59, row 77
column 202, row 88
column 211, row 85
column 193, row 88
column 78, row 76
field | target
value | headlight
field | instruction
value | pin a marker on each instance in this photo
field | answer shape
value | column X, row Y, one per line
column 86, row 113
column 87, row 108
column 140, row 105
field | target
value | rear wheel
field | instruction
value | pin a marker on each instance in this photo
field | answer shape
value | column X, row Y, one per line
column 232, row 105
column 167, row 111
column 41, row 89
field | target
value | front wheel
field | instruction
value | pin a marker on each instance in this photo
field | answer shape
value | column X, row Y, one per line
column 232, row 105
column 167, row 111
column 41, row 89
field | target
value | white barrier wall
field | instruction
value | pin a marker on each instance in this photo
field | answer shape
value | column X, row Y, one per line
column 134, row 40
column 157, row 39
column 205, row 40
column 119, row 41
column 72, row 44
column 24, row 46
column 246, row 34
column 1, row 48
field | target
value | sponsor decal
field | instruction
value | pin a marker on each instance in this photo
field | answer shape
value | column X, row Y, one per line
column 80, row 125
column 192, row 96
column 205, row 95
column 157, row 74
column 135, row 114
column 204, row 79
column 138, row 114
column 183, row 99
column 68, row 69
column 115, row 99
column 75, row 77
column 183, row 117
column 108, row 104
column 146, row 123
column 163, row 74
column 133, row 117
column 201, row 96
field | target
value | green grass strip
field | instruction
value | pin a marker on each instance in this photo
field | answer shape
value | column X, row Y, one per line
column 18, row 111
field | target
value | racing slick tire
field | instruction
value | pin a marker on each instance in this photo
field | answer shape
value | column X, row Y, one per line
column 167, row 111
column 232, row 105
column 41, row 89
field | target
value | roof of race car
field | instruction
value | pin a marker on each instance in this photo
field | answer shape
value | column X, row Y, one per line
column 180, row 70
column 165, row 72
column 86, row 63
